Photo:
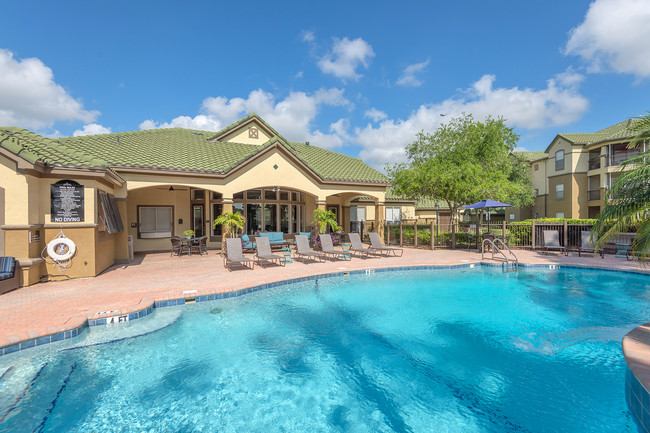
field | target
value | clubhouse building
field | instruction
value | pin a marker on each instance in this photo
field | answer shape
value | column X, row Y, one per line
column 115, row 194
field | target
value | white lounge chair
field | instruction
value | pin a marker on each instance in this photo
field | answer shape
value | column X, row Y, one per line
column 357, row 246
column 552, row 242
column 263, row 252
column 586, row 245
column 328, row 248
column 303, row 250
column 235, row 255
column 375, row 244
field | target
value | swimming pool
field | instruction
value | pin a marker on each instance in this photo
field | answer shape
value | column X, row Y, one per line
column 471, row 350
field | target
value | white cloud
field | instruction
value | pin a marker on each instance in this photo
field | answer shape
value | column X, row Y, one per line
column 346, row 56
column 614, row 35
column 559, row 103
column 91, row 129
column 29, row 96
column 292, row 117
column 408, row 77
column 308, row 36
column 375, row 115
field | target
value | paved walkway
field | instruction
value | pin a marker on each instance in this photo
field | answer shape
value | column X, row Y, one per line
column 48, row 308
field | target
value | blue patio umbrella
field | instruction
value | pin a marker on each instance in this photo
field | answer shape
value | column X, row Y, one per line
column 486, row 204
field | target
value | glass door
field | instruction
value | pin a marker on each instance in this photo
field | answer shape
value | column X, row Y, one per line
column 197, row 220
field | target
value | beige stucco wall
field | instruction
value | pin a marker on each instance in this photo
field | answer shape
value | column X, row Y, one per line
column 242, row 135
column 17, row 185
column 539, row 176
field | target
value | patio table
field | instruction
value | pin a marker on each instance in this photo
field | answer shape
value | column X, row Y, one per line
column 189, row 242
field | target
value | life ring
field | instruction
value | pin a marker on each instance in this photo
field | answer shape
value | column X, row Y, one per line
column 53, row 246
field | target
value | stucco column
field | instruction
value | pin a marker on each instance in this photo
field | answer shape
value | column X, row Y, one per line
column 226, row 207
column 321, row 204
column 345, row 218
column 380, row 219
column 122, row 238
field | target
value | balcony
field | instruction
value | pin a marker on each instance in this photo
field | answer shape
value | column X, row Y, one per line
column 594, row 163
column 593, row 195
column 621, row 156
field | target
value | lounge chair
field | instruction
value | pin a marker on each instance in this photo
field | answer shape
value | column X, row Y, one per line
column 357, row 246
column 552, row 242
column 303, row 250
column 234, row 254
column 375, row 244
column 327, row 246
column 263, row 252
column 586, row 245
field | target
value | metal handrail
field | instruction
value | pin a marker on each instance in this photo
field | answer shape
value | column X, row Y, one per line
column 497, row 249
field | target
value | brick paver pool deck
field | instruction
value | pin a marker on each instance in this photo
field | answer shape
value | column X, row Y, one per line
column 52, row 307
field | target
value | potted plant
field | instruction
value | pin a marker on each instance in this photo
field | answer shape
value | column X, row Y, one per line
column 230, row 223
column 189, row 234
column 324, row 218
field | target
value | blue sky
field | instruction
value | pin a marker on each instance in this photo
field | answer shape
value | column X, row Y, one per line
column 361, row 78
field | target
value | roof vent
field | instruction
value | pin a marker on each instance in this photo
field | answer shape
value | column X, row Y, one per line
column 307, row 143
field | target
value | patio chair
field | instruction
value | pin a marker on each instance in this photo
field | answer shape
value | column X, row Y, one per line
column 200, row 245
column 203, row 244
column 235, row 254
column 263, row 252
column 303, row 250
column 586, row 245
column 375, row 244
column 552, row 242
column 177, row 246
column 327, row 247
column 357, row 246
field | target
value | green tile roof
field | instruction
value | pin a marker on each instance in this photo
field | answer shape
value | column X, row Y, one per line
column 176, row 149
column 427, row 203
column 621, row 130
column 531, row 155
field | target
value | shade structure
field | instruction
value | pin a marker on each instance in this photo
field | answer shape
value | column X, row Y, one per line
column 486, row 204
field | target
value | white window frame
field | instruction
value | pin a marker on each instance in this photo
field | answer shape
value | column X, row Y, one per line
column 559, row 191
column 557, row 160
column 559, row 214
column 165, row 232
column 393, row 211
column 511, row 217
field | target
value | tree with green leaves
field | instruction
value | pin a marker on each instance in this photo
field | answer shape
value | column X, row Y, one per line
column 324, row 218
column 628, row 201
column 462, row 162
column 230, row 223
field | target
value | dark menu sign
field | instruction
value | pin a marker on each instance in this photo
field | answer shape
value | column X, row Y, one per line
column 67, row 202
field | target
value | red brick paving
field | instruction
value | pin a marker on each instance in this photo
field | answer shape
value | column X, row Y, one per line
column 47, row 308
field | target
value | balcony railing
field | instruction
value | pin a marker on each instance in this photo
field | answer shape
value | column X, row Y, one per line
column 594, row 163
column 619, row 157
column 593, row 195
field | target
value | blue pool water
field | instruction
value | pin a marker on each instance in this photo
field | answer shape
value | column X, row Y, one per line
column 472, row 350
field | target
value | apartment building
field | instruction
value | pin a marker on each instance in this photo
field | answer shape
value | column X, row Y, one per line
column 572, row 175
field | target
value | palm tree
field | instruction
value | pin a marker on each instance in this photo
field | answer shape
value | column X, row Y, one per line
column 628, row 201
column 324, row 218
column 231, row 223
